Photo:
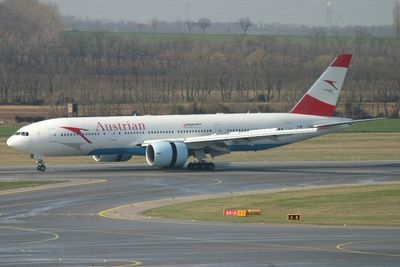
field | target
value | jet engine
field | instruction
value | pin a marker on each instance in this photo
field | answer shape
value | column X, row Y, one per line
column 166, row 154
column 112, row 158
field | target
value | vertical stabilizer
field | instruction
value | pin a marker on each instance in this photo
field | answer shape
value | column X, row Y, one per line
column 321, row 98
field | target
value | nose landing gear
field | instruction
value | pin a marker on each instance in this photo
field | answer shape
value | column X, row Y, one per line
column 41, row 167
column 39, row 163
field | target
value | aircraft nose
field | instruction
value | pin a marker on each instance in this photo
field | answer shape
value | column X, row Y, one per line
column 11, row 141
column 17, row 143
column 20, row 141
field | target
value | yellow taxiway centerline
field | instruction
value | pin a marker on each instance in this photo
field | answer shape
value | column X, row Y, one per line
column 342, row 248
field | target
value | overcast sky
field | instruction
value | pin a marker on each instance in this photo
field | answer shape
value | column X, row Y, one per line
column 307, row 12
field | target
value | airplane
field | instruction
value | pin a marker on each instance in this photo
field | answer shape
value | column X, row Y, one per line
column 188, row 141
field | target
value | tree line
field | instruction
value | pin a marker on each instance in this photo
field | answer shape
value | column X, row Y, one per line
column 242, row 25
column 41, row 63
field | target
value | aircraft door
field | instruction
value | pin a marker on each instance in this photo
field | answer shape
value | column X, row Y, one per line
column 52, row 135
column 113, row 136
column 217, row 128
column 288, row 126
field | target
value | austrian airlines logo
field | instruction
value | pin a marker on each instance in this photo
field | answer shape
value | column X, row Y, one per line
column 332, row 84
column 78, row 131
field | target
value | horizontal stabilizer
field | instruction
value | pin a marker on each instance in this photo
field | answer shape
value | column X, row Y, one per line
column 349, row 122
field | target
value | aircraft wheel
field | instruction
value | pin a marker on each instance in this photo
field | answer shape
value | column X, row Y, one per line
column 190, row 166
column 41, row 168
column 201, row 166
column 211, row 166
column 206, row 166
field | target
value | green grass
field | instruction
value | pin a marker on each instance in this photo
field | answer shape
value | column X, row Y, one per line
column 360, row 205
column 157, row 37
column 19, row 184
column 385, row 125
column 339, row 147
column 149, row 37
column 154, row 37
column 7, row 131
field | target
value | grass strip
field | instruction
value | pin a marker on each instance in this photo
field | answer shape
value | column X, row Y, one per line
column 386, row 125
column 331, row 147
column 7, row 131
column 353, row 205
column 19, row 184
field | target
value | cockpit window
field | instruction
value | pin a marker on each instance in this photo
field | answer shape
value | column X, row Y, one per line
column 22, row 133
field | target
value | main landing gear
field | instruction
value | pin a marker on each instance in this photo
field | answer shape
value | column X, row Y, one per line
column 201, row 166
column 39, row 163
column 200, row 161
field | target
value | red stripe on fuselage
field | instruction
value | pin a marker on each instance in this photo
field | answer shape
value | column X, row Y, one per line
column 78, row 131
column 312, row 106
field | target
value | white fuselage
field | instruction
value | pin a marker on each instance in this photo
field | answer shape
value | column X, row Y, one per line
column 125, row 134
column 169, row 140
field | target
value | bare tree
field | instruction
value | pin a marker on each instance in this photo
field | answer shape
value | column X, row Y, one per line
column 361, row 36
column 114, row 73
column 190, row 25
column 396, row 18
column 245, row 24
column 29, row 21
column 178, row 24
column 204, row 23
column 154, row 23
column 141, row 26
column 99, row 37
column 4, row 86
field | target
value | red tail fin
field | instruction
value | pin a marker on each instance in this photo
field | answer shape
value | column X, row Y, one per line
column 322, row 97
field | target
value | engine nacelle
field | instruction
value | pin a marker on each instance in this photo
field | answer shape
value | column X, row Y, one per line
column 111, row 158
column 167, row 154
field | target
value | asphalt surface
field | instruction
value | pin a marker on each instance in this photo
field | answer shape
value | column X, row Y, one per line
column 60, row 226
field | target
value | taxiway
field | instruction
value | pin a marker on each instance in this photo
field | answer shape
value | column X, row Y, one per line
column 60, row 226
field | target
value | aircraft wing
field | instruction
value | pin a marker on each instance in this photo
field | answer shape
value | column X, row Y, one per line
column 249, row 136
column 246, row 136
